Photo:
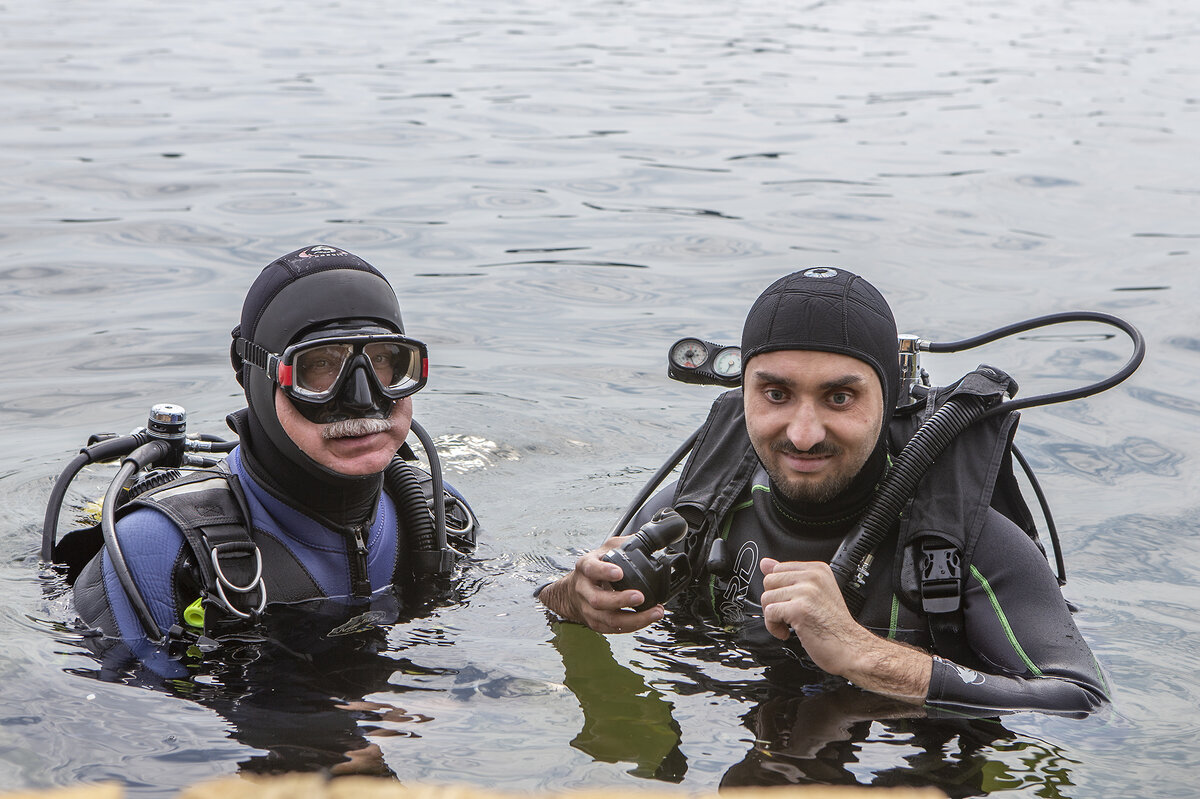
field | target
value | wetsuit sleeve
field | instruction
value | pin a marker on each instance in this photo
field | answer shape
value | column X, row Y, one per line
column 1019, row 626
column 152, row 545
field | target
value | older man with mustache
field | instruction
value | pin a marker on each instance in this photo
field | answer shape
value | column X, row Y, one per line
column 300, row 511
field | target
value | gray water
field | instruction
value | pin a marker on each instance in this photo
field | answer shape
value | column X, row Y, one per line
column 559, row 191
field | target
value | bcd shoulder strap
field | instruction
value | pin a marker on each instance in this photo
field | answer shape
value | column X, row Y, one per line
column 719, row 468
column 210, row 510
column 942, row 522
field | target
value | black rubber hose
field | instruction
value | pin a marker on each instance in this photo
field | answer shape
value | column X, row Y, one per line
column 1051, row 527
column 140, row 458
column 54, row 504
column 438, row 486
column 96, row 453
column 1135, row 360
column 405, row 488
column 896, row 488
column 209, row 444
column 653, row 483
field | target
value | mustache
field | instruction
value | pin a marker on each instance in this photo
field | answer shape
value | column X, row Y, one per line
column 824, row 449
column 352, row 428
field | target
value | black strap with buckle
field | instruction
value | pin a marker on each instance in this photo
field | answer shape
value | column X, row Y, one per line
column 941, row 579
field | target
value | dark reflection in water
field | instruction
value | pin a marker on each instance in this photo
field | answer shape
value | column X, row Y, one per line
column 1164, row 399
column 297, row 691
column 816, row 731
column 821, row 739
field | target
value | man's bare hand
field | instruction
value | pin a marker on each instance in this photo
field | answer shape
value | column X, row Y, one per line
column 586, row 596
column 803, row 597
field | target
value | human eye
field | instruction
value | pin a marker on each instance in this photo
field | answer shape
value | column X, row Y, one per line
column 319, row 367
column 775, row 395
column 385, row 360
column 840, row 399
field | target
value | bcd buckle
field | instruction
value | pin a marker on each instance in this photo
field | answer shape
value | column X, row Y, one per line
column 941, row 577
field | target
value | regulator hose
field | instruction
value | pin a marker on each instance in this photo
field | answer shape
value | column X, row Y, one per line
column 431, row 550
column 412, row 512
column 652, row 484
column 853, row 557
column 140, row 458
column 103, row 450
column 1135, row 359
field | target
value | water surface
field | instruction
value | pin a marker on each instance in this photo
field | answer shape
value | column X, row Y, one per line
column 558, row 192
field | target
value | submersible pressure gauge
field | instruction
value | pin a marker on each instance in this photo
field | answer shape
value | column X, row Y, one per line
column 692, row 360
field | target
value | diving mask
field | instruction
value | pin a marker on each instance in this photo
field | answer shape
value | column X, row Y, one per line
column 315, row 370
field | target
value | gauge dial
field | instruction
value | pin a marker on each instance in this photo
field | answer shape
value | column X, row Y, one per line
column 728, row 362
column 689, row 353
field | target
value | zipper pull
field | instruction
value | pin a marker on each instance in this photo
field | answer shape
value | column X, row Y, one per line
column 359, row 576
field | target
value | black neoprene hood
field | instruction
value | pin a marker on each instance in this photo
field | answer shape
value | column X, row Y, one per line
column 312, row 287
column 827, row 309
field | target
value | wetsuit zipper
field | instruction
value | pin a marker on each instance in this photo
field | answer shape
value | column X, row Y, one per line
column 360, row 580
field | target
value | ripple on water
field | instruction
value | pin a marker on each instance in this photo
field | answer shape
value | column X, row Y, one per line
column 830, row 229
column 1163, row 399
column 276, row 204
column 1106, row 464
column 107, row 185
column 1044, row 181
column 1185, row 343
column 218, row 240
column 96, row 280
column 696, row 247
column 583, row 287
column 509, row 199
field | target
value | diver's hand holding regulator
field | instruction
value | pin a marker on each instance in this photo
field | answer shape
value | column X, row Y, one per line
column 621, row 587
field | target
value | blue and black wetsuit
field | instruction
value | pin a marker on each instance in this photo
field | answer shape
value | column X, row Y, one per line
column 304, row 561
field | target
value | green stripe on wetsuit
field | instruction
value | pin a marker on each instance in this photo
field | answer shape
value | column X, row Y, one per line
column 1008, row 630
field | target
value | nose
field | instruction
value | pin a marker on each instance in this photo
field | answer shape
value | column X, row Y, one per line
column 806, row 429
column 356, row 396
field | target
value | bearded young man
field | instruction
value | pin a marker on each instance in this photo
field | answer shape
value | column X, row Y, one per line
column 820, row 384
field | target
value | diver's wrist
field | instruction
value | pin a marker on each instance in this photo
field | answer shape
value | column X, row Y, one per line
column 556, row 596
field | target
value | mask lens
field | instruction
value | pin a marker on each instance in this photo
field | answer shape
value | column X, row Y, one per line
column 318, row 368
column 397, row 366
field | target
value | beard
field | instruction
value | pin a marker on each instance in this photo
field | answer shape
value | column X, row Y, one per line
column 812, row 491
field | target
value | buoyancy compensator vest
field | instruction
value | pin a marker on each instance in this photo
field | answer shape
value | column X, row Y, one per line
column 228, row 573
column 935, row 534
